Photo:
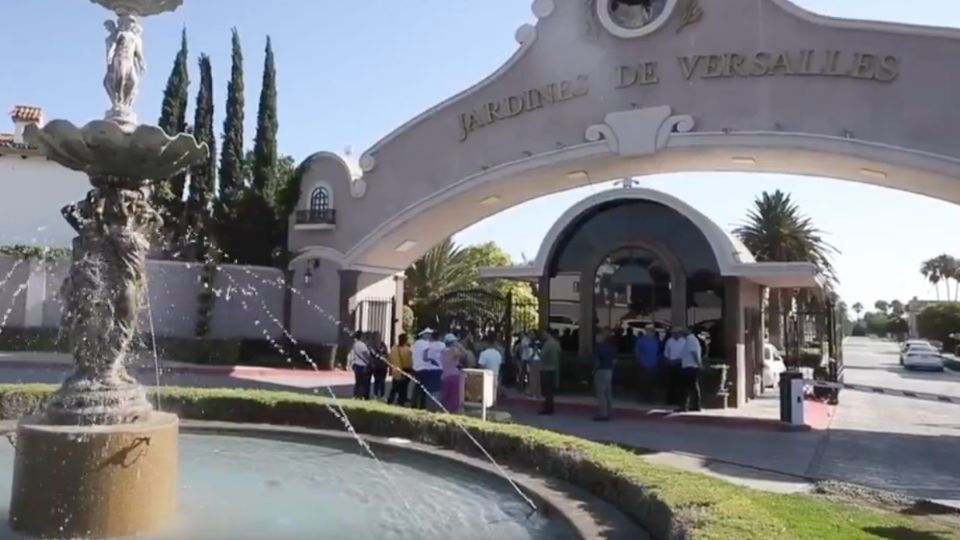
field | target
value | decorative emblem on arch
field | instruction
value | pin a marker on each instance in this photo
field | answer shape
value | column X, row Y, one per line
column 641, row 131
column 692, row 14
column 633, row 18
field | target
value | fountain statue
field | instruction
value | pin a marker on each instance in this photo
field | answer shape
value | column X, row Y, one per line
column 99, row 461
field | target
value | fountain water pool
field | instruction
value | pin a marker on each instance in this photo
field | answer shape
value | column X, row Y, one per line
column 234, row 487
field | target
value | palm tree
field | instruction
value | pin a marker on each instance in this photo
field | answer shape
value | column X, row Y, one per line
column 882, row 306
column 931, row 270
column 947, row 267
column 858, row 309
column 440, row 271
column 897, row 309
column 776, row 230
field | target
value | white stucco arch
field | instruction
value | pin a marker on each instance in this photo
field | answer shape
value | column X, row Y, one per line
column 733, row 258
column 730, row 255
column 458, row 205
column 826, row 123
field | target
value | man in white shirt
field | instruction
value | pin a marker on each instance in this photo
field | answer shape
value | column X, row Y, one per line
column 690, row 363
column 673, row 351
column 431, row 370
column 420, row 366
column 491, row 359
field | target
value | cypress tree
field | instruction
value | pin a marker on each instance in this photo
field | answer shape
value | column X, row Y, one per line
column 231, row 157
column 167, row 194
column 265, row 146
column 202, row 175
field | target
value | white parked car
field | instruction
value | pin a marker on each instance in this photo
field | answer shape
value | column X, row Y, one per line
column 560, row 323
column 922, row 356
column 773, row 365
column 910, row 343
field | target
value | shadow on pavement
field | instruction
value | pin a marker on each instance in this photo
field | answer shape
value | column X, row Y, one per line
column 919, row 466
column 903, row 533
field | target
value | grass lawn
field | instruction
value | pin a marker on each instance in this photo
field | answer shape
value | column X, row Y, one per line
column 669, row 502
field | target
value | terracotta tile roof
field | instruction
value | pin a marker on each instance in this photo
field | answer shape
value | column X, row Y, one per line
column 26, row 113
column 6, row 141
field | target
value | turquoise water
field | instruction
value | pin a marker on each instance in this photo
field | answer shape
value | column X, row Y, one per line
column 235, row 488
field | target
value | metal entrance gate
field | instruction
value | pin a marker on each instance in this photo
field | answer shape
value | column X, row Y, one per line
column 824, row 326
column 479, row 312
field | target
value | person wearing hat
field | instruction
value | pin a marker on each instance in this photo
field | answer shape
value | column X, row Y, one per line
column 419, row 352
column 453, row 359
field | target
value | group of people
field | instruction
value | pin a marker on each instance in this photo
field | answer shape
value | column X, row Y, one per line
column 672, row 364
column 423, row 374
column 429, row 371
column 537, row 372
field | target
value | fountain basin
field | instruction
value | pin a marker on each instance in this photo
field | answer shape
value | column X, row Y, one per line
column 279, row 483
column 97, row 481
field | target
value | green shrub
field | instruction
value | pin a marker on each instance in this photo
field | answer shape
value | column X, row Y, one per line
column 939, row 322
column 32, row 339
column 668, row 502
column 213, row 352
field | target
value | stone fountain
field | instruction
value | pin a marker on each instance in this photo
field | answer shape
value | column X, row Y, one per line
column 98, row 461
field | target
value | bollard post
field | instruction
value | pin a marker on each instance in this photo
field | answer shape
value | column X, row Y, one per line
column 791, row 400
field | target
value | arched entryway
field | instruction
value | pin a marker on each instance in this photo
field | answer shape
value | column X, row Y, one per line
column 627, row 259
column 642, row 263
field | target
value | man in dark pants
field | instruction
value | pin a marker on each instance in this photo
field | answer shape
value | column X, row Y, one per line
column 605, row 358
column 691, row 363
column 646, row 351
column 549, row 364
column 673, row 352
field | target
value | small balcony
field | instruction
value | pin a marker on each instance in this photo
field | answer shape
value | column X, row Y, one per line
column 315, row 219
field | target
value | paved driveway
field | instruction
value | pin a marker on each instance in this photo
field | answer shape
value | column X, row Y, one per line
column 877, row 363
column 896, row 443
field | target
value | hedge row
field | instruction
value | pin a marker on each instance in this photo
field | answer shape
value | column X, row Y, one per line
column 669, row 503
column 191, row 350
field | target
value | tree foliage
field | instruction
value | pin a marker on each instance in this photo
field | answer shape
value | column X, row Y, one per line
column 440, row 271
column 202, row 175
column 775, row 230
column 265, row 145
column 167, row 194
column 943, row 269
column 940, row 322
column 448, row 268
column 232, row 154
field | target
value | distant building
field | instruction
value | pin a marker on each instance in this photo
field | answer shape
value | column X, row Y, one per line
column 33, row 188
column 914, row 308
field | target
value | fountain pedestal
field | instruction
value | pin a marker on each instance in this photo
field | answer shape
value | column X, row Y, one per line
column 100, row 462
column 94, row 481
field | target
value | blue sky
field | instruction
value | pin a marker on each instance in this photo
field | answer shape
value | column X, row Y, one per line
column 350, row 72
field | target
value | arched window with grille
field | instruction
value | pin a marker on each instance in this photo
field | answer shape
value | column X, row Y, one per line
column 320, row 201
column 321, row 207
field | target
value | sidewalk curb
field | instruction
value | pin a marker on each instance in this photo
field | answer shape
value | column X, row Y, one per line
column 661, row 416
column 248, row 371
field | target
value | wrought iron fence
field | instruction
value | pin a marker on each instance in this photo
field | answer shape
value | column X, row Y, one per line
column 376, row 315
column 478, row 312
column 326, row 216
